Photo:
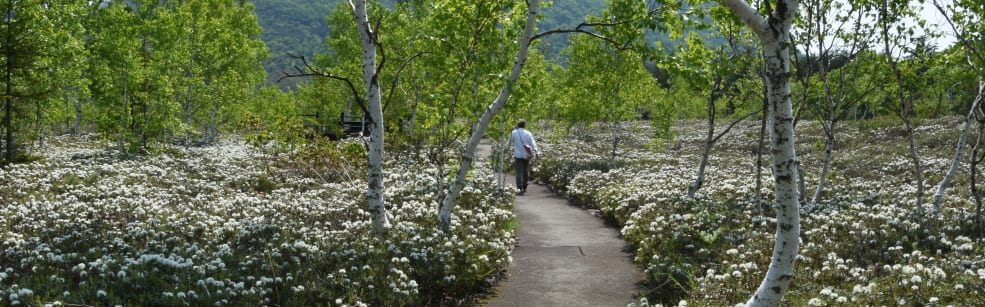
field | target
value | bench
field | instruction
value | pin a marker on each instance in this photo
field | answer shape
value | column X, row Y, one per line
column 354, row 125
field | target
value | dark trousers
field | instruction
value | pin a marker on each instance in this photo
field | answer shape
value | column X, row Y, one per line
column 522, row 172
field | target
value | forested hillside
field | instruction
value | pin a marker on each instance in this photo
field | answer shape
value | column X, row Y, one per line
column 299, row 27
column 291, row 26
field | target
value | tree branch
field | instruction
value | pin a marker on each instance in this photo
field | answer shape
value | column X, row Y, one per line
column 961, row 36
column 581, row 29
column 396, row 79
column 311, row 71
column 735, row 122
column 748, row 15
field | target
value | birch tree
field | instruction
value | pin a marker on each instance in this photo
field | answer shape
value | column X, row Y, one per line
column 827, row 24
column 479, row 130
column 964, row 19
column 773, row 32
column 602, row 84
column 369, row 38
column 958, row 154
column 892, row 29
column 724, row 76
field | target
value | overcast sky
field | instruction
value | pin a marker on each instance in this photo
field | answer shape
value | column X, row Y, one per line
column 938, row 24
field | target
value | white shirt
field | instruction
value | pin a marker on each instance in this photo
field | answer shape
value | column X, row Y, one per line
column 520, row 137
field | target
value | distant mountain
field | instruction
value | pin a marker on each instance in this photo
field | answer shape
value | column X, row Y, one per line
column 292, row 26
column 565, row 14
column 299, row 27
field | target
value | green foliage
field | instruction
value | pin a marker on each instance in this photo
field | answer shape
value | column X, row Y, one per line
column 170, row 70
column 27, row 34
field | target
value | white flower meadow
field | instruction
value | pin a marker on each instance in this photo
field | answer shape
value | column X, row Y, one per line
column 861, row 245
column 225, row 225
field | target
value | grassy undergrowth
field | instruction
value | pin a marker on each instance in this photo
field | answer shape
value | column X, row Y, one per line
column 861, row 245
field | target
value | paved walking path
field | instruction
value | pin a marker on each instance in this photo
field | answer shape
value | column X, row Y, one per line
column 565, row 256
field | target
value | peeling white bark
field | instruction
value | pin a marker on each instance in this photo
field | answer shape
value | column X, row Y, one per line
column 774, row 33
column 374, row 191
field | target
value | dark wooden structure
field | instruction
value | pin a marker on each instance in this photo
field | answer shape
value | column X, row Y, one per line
column 354, row 125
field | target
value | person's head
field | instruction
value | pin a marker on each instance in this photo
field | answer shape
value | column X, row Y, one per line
column 521, row 124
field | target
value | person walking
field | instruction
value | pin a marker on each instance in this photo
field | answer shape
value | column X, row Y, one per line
column 524, row 150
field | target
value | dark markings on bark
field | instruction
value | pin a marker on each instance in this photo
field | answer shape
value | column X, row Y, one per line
column 784, row 46
column 784, row 178
column 786, row 227
column 785, row 277
column 776, row 289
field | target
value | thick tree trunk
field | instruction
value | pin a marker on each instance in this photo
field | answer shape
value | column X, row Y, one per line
column 939, row 196
column 774, row 33
column 468, row 153
column 374, row 196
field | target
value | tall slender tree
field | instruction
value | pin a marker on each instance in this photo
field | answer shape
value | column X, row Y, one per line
column 893, row 30
column 66, row 64
column 773, row 31
column 23, row 35
column 370, row 42
column 830, row 82
column 479, row 130
column 964, row 19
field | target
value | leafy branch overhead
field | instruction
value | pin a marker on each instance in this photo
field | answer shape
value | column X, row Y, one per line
column 310, row 71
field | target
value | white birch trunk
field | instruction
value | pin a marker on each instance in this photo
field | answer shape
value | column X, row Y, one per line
column 468, row 153
column 939, row 196
column 374, row 104
column 774, row 33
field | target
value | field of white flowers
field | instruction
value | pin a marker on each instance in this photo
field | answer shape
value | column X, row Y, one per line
column 234, row 225
column 861, row 246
